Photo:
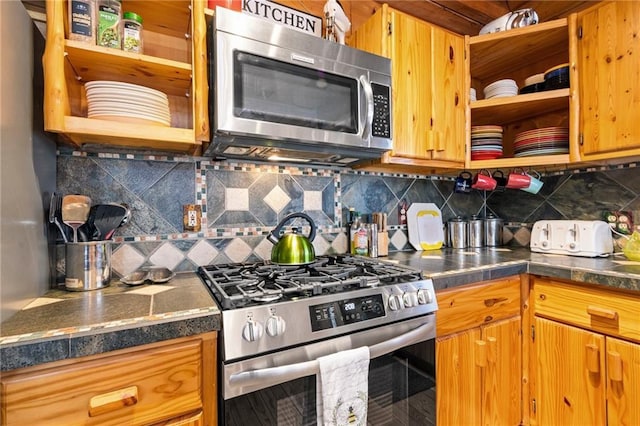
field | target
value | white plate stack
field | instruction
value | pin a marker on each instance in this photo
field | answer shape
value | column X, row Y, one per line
column 501, row 89
column 126, row 102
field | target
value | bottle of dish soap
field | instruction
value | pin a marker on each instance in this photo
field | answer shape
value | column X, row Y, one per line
column 359, row 237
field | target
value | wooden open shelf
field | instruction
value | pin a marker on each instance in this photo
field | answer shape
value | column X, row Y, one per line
column 174, row 62
column 517, row 108
column 517, row 54
column 102, row 63
column 498, row 53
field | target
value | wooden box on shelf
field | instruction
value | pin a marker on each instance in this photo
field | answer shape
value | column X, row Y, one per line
column 173, row 61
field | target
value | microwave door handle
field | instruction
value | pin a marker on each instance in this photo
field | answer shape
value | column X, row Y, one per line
column 368, row 93
column 267, row 377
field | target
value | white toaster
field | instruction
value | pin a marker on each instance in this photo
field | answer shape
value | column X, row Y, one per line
column 589, row 238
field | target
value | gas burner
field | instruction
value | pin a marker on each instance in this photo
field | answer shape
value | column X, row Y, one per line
column 240, row 285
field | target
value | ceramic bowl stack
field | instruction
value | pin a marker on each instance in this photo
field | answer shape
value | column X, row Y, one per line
column 128, row 103
column 543, row 141
column 557, row 77
column 486, row 142
column 533, row 84
column 501, row 89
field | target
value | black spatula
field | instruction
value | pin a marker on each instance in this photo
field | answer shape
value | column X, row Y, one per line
column 107, row 218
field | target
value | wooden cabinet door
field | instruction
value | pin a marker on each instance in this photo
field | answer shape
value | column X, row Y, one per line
column 623, row 382
column 410, row 46
column 610, row 79
column 458, row 379
column 448, row 96
column 501, row 388
column 570, row 375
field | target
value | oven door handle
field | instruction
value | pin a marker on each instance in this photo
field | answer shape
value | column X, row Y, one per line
column 272, row 376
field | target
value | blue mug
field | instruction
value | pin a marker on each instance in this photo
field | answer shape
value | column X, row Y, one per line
column 463, row 182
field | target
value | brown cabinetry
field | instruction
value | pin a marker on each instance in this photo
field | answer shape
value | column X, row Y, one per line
column 586, row 355
column 610, row 76
column 168, row 383
column 518, row 54
column 478, row 354
column 428, row 83
column 174, row 62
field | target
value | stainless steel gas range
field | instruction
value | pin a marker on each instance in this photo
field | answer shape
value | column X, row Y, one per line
column 277, row 320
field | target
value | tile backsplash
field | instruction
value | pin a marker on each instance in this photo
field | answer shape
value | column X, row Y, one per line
column 242, row 202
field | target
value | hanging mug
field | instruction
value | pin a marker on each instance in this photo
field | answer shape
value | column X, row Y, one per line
column 535, row 184
column 463, row 182
column 501, row 180
column 518, row 179
column 483, row 181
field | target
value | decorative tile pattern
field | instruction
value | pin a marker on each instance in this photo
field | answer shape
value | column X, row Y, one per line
column 236, row 199
column 242, row 202
column 277, row 199
column 126, row 259
column 202, row 253
column 238, row 250
column 167, row 255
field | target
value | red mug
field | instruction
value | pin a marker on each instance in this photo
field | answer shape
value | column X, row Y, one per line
column 518, row 180
column 484, row 181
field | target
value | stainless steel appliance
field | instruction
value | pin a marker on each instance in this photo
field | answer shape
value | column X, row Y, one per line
column 278, row 93
column 277, row 320
column 588, row 238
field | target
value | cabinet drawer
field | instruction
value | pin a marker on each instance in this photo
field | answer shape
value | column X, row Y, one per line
column 609, row 312
column 473, row 305
column 132, row 388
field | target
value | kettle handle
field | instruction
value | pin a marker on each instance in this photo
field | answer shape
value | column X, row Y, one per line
column 274, row 235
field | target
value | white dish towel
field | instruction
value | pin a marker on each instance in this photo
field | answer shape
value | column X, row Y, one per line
column 343, row 388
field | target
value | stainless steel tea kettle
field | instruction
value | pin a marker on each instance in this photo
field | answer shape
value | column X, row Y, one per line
column 294, row 248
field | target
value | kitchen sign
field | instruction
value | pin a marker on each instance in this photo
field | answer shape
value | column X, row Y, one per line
column 284, row 15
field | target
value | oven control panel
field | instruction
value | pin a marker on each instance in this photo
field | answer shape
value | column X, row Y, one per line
column 346, row 311
column 255, row 330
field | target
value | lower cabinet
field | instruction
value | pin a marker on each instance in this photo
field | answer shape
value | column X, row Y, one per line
column 478, row 354
column 165, row 383
column 586, row 362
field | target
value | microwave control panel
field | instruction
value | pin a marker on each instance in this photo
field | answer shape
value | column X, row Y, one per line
column 381, row 126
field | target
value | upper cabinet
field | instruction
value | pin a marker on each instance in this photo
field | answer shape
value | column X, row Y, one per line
column 608, row 48
column 428, row 85
column 519, row 54
column 174, row 61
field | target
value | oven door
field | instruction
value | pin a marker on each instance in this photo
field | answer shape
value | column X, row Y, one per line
column 280, row 389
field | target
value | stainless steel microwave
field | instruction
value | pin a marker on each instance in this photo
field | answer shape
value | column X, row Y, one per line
column 281, row 94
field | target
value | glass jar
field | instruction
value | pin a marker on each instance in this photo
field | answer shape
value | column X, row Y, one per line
column 109, row 17
column 132, row 32
column 82, row 21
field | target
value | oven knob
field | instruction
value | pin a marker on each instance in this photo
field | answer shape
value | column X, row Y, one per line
column 410, row 299
column 275, row 326
column 252, row 331
column 395, row 302
column 424, row 296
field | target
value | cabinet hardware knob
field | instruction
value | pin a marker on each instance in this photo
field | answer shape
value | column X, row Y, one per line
column 112, row 401
column 597, row 311
column 593, row 358
column 481, row 353
column 492, row 350
column 614, row 366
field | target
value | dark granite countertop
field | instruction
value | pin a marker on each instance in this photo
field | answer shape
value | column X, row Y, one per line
column 450, row 267
column 63, row 324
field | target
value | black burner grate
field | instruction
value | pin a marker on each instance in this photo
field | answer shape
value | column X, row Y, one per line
column 244, row 284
